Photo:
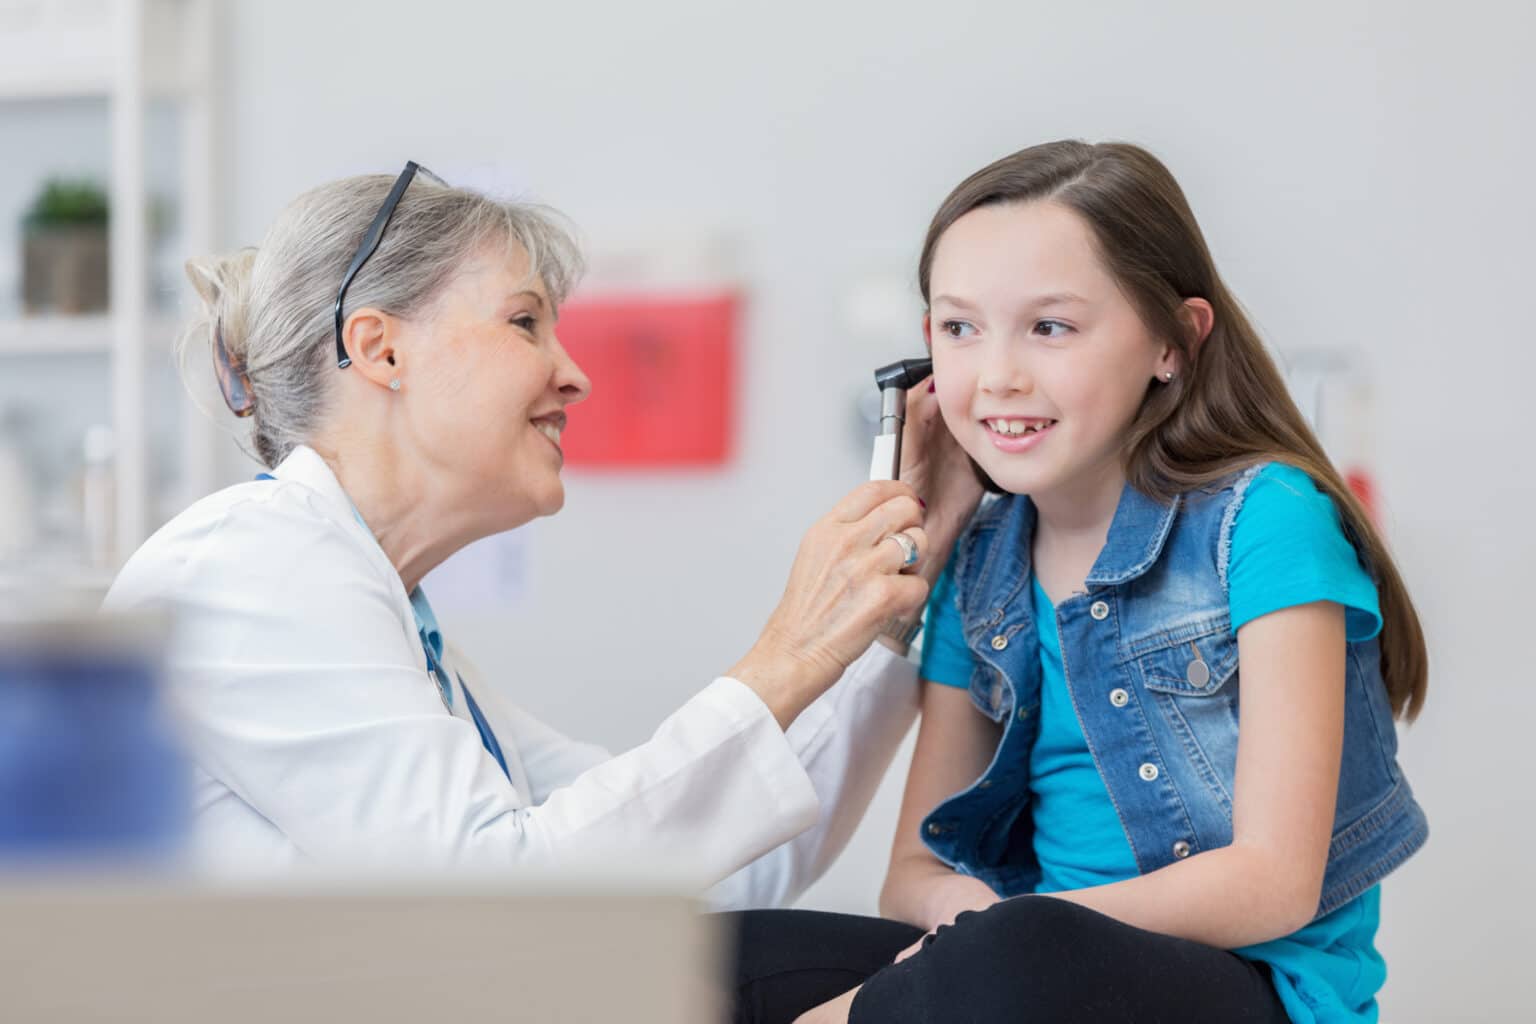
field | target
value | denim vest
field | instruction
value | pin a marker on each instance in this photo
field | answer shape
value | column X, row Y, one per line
column 1151, row 665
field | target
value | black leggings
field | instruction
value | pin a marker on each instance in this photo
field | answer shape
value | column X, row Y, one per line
column 1032, row 959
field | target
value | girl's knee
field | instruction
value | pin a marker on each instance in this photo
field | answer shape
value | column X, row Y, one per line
column 1037, row 942
column 1031, row 922
column 1034, row 951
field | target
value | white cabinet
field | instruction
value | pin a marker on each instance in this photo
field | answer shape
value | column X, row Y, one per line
column 122, row 90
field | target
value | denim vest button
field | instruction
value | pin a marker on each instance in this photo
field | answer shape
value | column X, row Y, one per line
column 1099, row 610
column 984, row 784
column 1198, row 673
column 1149, row 771
column 935, row 829
column 999, row 642
column 1119, row 698
column 1023, row 713
column 1181, row 849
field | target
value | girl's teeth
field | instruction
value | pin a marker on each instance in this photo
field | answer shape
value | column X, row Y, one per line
column 1014, row 428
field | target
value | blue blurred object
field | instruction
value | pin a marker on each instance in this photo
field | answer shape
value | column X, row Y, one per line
column 89, row 768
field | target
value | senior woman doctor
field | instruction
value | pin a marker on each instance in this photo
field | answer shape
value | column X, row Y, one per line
column 395, row 346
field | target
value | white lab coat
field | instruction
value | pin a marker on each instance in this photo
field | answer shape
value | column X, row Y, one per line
column 319, row 738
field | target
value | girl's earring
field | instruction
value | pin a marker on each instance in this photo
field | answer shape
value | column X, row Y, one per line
column 1167, row 377
column 394, row 385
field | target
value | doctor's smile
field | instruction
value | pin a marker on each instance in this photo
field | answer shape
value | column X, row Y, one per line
column 551, row 426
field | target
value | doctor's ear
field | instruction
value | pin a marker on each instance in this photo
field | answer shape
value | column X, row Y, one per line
column 370, row 336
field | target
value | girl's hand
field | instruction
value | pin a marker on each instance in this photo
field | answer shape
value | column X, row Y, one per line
column 912, row 949
column 849, row 579
column 940, row 472
column 950, row 897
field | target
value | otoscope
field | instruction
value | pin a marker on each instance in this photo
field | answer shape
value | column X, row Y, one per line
column 893, row 381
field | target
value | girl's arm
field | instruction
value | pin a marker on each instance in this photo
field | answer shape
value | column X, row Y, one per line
column 954, row 746
column 1290, row 741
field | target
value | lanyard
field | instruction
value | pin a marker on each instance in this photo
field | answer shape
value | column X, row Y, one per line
column 487, row 737
column 444, row 689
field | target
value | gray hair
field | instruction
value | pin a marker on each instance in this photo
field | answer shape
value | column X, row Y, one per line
column 275, row 303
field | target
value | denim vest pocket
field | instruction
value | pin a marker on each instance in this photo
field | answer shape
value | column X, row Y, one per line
column 1189, row 671
column 1191, row 659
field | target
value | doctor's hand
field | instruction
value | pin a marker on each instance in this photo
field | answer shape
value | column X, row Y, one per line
column 939, row 470
column 850, row 577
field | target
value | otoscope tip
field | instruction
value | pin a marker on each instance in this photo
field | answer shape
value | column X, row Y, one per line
column 903, row 374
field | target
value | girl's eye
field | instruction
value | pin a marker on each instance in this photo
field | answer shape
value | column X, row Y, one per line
column 1051, row 329
column 957, row 328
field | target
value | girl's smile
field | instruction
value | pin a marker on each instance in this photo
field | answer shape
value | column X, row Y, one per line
column 1014, row 435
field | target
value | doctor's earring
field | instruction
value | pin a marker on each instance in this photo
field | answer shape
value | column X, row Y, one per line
column 394, row 385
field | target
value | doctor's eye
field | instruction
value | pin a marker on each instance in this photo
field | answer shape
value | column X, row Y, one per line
column 957, row 328
column 526, row 321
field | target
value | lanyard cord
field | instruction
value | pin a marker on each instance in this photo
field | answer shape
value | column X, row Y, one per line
column 487, row 737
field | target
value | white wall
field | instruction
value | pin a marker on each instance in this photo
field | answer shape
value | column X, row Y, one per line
column 1362, row 171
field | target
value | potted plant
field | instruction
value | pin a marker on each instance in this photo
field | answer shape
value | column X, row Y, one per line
column 64, row 249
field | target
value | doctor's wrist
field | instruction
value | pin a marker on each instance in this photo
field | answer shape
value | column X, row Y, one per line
column 785, row 683
column 898, row 634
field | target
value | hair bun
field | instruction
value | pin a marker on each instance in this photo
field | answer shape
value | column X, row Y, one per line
column 224, row 285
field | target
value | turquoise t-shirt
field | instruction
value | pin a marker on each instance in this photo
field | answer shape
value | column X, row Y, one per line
column 1288, row 548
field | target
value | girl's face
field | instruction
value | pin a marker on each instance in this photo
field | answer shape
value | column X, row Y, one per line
column 1040, row 362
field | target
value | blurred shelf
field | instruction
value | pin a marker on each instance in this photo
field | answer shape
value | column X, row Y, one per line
column 45, row 587
column 78, row 577
column 72, row 49
column 75, row 335
column 56, row 51
column 131, row 54
column 62, row 81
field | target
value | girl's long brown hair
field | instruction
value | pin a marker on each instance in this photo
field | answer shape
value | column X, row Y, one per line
column 1229, row 409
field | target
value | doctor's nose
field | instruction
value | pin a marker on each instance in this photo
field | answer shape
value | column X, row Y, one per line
column 570, row 380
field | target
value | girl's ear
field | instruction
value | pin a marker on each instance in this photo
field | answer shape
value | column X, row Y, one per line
column 928, row 333
column 1198, row 318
